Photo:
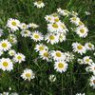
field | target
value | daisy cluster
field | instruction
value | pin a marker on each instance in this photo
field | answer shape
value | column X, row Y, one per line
column 57, row 32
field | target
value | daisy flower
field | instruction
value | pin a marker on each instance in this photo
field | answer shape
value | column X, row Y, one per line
column 19, row 57
column 32, row 25
column 5, row 45
column 28, row 74
column 52, row 78
column 12, row 38
column 12, row 52
column 6, row 64
column 89, row 46
column 51, row 38
column 37, row 36
column 63, row 12
column 45, row 55
column 82, row 31
column 23, row 26
column 87, row 60
column 61, row 66
column 92, row 82
column 25, row 33
column 41, row 47
column 62, row 37
column 75, row 20
column 39, row 4
column 57, row 55
column 79, row 48
column 13, row 24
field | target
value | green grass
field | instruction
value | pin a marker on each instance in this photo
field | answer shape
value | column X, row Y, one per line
column 69, row 83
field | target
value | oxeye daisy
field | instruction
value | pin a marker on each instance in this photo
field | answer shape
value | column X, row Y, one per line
column 60, row 66
column 39, row 4
column 77, row 47
column 13, row 24
column 80, row 94
column 25, row 33
column 92, row 82
column 28, row 74
column 23, row 26
column 82, row 31
column 45, row 55
column 32, row 25
column 75, row 20
column 63, row 12
column 41, row 47
column 89, row 46
column 6, row 64
column 49, row 18
column 12, row 39
column 5, row 45
column 52, row 78
column 62, row 37
column 12, row 52
column 51, row 38
column 37, row 36
column 87, row 60
column 19, row 57
column 57, row 55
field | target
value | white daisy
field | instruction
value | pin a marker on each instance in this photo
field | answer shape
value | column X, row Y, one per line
column 23, row 26
column 79, row 48
column 80, row 94
column 6, row 64
column 32, row 25
column 41, row 47
column 45, row 55
column 87, row 60
column 37, row 36
column 13, row 24
column 25, row 33
column 5, row 45
column 19, row 57
column 75, row 20
column 62, row 37
column 52, row 78
column 92, row 82
column 39, row 4
column 89, row 46
column 82, row 31
column 28, row 74
column 51, row 38
column 57, row 55
column 63, row 12
column 12, row 52
column 60, row 66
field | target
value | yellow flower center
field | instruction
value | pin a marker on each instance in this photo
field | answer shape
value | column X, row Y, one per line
column 28, row 75
column 87, row 60
column 80, row 23
column 46, row 54
column 36, row 36
column 51, row 37
column 60, row 65
column 39, row 2
column 19, row 57
column 55, row 25
column 49, row 18
column 89, row 45
column 56, row 20
column 79, row 47
column 4, row 45
column 14, row 23
column 41, row 48
column 5, row 64
column 82, row 30
column 74, row 19
column 58, row 54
